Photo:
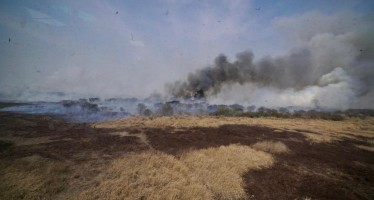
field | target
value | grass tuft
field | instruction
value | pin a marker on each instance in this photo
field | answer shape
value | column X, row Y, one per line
column 271, row 147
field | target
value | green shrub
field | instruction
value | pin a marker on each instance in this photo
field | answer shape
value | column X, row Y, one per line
column 224, row 112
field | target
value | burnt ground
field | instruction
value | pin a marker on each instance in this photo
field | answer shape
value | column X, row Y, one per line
column 336, row 170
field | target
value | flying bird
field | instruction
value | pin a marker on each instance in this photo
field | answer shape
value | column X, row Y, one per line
column 167, row 12
column 117, row 13
column 9, row 40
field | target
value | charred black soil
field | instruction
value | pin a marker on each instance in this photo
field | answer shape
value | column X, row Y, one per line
column 334, row 170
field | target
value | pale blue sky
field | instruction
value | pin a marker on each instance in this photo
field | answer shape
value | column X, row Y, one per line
column 86, row 48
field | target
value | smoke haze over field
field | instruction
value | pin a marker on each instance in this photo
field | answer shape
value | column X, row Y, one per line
column 332, row 66
column 291, row 53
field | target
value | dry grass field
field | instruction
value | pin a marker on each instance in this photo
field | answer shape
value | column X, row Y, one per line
column 201, row 174
column 186, row 157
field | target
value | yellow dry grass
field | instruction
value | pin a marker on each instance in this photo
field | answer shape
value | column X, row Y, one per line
column 150, row 175
column 32, row 177
column 317, row 138
column 213, row 173
column 220, row 169
column 314, row 129
column 271, row 147
column 141, row 136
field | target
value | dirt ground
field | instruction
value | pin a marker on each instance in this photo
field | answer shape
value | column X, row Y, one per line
column 46, row 158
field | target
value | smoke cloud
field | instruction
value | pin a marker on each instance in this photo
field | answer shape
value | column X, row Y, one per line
column 331, row 65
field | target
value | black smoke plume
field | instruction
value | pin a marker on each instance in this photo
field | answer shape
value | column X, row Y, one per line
column 335, row 60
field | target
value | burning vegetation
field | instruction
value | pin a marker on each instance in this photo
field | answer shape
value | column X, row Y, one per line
column 328, row 69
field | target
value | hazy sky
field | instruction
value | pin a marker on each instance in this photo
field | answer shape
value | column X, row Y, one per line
column 132, row 48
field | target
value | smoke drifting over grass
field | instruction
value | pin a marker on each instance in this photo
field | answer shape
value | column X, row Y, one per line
column 331, row 66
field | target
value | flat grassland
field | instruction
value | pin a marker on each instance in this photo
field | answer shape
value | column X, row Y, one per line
column 186, row 157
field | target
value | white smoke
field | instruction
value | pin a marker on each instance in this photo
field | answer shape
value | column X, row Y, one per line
column 335, row 90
